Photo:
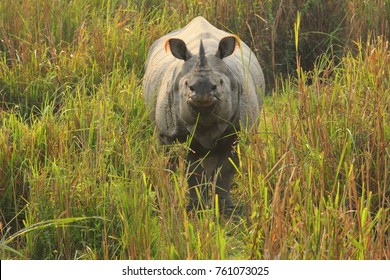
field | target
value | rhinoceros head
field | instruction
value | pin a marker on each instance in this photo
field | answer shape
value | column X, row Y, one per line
column 205, row 86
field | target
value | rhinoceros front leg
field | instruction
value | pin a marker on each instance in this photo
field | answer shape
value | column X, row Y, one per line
column 224, row 181
column 197, row 183
column 215, row 168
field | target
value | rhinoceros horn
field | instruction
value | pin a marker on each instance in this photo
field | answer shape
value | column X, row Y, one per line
column 202, row 64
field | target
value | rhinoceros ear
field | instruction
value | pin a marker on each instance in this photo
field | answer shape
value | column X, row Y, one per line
column 227, row 45
column 178, row 48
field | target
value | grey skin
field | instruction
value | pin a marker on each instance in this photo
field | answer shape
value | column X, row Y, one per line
column 208, row 97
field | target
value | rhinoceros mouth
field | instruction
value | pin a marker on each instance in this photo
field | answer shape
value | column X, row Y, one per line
column 202, row 102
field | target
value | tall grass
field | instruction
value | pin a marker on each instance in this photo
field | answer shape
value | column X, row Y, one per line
column 324, row 162
column 82, row 176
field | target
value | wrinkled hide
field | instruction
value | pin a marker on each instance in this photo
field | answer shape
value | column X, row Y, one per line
column 203, row 82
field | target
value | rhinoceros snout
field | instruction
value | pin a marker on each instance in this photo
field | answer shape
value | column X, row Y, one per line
column 202, row 94
column 202, row 100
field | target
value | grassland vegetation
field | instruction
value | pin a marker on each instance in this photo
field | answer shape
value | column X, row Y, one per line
column 83, row 177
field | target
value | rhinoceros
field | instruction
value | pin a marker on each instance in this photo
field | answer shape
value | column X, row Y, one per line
column 203, row 84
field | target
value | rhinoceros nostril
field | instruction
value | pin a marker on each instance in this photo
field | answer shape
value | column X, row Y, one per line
column 191, row 88
column 213, row 87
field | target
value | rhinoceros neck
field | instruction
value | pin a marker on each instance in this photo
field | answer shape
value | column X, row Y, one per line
column 208, row 134
column 208, row 137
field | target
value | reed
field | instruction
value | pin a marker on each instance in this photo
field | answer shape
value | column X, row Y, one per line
column 82, row 175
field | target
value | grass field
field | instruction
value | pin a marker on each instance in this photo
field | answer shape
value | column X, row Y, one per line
column 81, row 172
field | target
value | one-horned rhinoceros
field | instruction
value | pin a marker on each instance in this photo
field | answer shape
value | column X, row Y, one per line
column 203, row 84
